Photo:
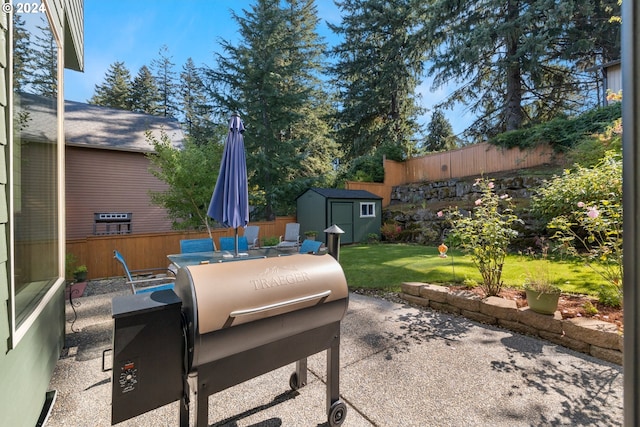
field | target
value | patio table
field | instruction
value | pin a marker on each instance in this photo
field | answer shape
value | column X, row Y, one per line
column 195, row 258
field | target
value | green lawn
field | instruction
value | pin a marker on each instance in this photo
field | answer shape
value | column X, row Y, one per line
column 386, row 266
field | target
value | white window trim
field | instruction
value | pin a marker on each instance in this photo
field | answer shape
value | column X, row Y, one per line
column 17, row 333
column 373, row 205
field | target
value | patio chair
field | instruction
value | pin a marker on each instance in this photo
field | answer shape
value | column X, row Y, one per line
column 197, row 245
column 291, row 236
column 229, row 243
column 310, row 246
column 251, row 233
column 145, row 277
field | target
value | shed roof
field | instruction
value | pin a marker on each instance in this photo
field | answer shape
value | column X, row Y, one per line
column 94, row 126
column 338, row 193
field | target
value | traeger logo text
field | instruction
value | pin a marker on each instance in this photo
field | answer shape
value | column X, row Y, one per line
column 275, row 276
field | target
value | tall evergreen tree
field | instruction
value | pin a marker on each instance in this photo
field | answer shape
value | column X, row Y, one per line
column 269, row 77
column 23, row 55
column 519, row 61
column 115, row 91
column 377, row 69
column 194, row 104
column 144, row 93
column 44, row 77
column 440, row 134
column 165, row 77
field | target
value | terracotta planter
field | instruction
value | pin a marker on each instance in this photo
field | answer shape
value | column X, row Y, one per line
column 541, row 302
column 75, row 289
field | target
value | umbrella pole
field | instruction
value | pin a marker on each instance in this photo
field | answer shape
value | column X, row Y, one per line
column 236, row 241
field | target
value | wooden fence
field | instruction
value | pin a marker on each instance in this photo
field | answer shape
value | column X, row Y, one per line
column 468, row 161
column 148, row 250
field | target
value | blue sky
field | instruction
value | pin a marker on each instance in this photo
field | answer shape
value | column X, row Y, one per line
column 134, row 31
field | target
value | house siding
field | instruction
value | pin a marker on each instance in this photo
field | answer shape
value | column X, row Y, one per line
column 26, row 367
column 111, row 181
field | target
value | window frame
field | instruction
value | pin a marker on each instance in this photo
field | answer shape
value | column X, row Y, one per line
column 371, row 211
column 18, row 331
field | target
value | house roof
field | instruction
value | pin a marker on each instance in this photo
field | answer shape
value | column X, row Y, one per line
column 94, row 126
column 337, row 193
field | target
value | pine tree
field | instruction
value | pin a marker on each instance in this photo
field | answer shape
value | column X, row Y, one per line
column 517, row 61
column 144, row 93
column 194, row 104
column 377, row 70
column 269, row 77
column 23, row 55
column 165, row 80
column 440, row 134
column 44, row 77
column 115, row 91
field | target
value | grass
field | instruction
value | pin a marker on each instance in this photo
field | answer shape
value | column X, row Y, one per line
column 386, row 266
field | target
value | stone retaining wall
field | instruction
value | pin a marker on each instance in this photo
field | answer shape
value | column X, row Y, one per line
column 415, row 206
column 586, row 335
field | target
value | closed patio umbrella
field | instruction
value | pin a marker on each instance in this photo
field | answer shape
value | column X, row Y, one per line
column 230, row 200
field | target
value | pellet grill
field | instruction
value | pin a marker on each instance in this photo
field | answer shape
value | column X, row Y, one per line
column 224, row 324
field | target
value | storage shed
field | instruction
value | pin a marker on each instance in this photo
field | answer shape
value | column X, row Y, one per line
column 357, row 212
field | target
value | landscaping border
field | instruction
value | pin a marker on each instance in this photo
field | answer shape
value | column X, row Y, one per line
column 586, row 335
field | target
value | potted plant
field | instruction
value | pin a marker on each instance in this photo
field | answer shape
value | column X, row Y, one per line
column 80, row 273
column 311, row 234
column 542, row 295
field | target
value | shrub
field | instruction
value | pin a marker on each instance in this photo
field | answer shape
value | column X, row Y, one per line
column 390, row 231
column 485, row 234
column 590, row 221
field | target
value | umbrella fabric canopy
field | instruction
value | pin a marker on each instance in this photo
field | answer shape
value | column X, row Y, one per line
column 230, row 201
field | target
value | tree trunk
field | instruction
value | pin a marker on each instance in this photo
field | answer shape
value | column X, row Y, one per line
column 513, row 115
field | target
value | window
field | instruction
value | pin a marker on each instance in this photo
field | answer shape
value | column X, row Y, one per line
column 35, row 176
column 367, row 209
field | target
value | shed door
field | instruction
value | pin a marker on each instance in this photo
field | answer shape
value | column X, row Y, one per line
column 342, row 216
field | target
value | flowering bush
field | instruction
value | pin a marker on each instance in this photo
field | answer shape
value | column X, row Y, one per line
column 589, row 223
column 390, row 231
column 596, row 235
column 485, row 234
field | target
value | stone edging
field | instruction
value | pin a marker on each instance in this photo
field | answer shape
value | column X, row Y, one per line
column 586, row 335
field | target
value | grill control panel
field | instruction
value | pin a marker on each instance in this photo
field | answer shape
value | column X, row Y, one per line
column 128, row 377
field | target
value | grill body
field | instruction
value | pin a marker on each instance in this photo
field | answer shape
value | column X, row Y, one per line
column 243, row 319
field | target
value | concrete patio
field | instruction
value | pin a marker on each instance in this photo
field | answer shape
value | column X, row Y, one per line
column 400, row 366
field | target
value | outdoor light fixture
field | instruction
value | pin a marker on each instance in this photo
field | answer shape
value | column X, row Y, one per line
column 443, row 250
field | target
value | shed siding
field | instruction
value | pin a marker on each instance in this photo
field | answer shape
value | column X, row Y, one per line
column 111, row 181
column 312, row 214
column 318, row 209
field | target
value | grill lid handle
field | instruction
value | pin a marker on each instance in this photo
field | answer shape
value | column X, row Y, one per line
column 279, row 304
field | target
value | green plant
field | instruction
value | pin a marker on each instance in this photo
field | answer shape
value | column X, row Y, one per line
column 609, row 295
column 390, row 231
column 593, row 232
column 311, row 233
column 373, row 238
column 80, row 273
column 589, row 308
column 485, row 234
column 70, row 261
column 270, row 241
column 540, row 283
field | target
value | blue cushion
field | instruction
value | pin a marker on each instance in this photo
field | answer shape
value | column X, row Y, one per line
column 154, row 288
column 312, row 246
column 229, row 244
column 196, row 245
